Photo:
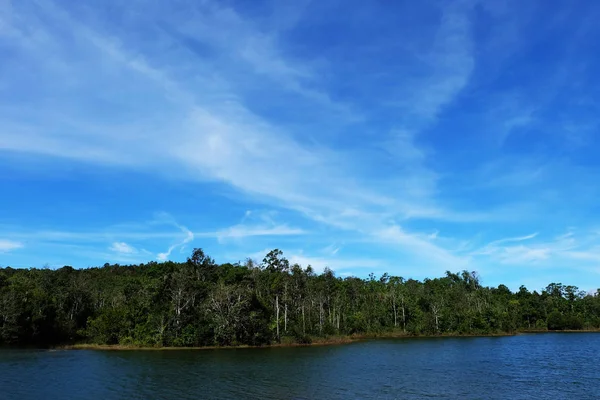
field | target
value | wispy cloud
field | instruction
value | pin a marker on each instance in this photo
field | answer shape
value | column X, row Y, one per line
column 188, row 237
column 242, row 231
column 332, row 249
column 591, row 254
column 258, row 223
column 424, row 248
column 345, row 266
column 122, row 248
column 450, row 62
column 9, row 245
column 495, row 243
column 205, row 128
column 526, row 250
column 436, row 125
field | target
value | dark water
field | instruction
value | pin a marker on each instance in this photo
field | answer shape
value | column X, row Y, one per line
column 549, row 366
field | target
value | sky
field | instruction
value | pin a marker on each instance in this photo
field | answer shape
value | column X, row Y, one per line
column 365, row 136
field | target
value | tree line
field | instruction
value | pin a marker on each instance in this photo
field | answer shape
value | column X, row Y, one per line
column 201, row 303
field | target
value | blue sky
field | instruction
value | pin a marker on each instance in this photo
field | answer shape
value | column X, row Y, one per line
column 402, row 137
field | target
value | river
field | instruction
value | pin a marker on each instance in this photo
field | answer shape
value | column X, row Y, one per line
column 532, row 366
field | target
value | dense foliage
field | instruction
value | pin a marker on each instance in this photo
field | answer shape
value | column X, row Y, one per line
column 200, row 303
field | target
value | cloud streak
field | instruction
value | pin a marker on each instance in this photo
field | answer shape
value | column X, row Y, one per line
column 9, row 245
column 568, row 247
column 188, row 237
column 122, row 248
column 219, row 137
column 242, row 231
column 434, row 128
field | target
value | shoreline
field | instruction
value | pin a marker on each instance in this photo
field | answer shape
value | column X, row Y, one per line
column 563, row 331
column 329, row 341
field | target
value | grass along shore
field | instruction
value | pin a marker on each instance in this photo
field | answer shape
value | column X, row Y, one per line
column 286, row 342
column 315, row 341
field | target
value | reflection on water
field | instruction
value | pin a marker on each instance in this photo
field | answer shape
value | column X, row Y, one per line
column 557, row 366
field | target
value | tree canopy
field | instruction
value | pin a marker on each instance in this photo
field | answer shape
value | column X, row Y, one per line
column 201, row 303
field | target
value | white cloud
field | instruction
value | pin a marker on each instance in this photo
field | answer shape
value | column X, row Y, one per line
column 332, row 249
column 591, row 254
column 258, row 223
column 567, row 247
column 123, row 248
column 422, row 247
column 9, row 245
column 136, row 233
column 189, row 236
column 336, row 264
column 197, row 124
column 242, row 231
column 345, row 266
column 513, row 239
column 524, row 254
column 448, row 63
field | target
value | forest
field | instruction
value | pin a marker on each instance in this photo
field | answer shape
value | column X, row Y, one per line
column 201, row 303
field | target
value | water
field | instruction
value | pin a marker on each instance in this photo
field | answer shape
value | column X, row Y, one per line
column 556, row 366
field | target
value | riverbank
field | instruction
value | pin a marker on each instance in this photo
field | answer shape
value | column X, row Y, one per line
column 561, row 331
column 315, row 341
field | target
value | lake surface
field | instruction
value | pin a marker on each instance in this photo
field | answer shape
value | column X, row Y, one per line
column 544, row 366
